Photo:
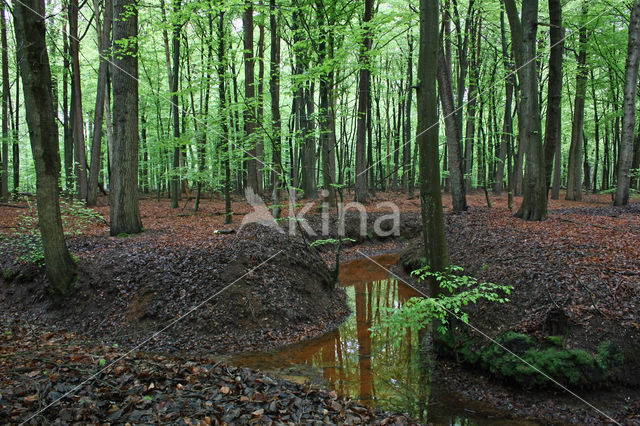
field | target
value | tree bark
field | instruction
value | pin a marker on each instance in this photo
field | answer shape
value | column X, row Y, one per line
column 175, row 111
column 222, row 96
column 276, row 125
column 4, row 174
column 362, row 193
column 96, row 143
column 456, row 177
column 507, row 124
column 249, row 96
column 29, row 23
column 625, row 154
column 427, row 139
column 80, row 158
column 124, row 212
column 553, row 127
column 574, row 169
column 534, row 202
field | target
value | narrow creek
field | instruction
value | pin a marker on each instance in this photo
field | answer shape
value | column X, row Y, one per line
column 366, row 368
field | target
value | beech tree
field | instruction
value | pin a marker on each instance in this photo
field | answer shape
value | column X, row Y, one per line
column 29, row 21
column 124, row 210
column 435, row 242
column 523, row 36
column 625, row 154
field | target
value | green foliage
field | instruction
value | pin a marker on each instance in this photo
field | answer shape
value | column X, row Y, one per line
column 459, row 291
column 334, row 241
column 609, row 355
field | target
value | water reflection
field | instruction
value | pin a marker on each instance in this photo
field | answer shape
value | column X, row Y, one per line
column 370, row 369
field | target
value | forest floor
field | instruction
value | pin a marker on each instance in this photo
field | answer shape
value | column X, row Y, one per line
column 585, row 260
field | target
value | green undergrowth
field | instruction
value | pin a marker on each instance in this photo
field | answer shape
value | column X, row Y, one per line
column 520, row 359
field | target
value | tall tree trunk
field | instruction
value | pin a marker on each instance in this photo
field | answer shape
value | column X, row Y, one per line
column 125, row 213
column 96, row 143
column 222, row 98
column 327, row 135
column 16, row 132
column 80, row 158
column 456, row 177
column 249, row 96
column 625, row 153
column 362, row 194
column 596, row 118
column 276, row 125
column 175, row 111
column 553, row 127
column 470, row 129
column 427, row 139
column 29, row 21
column 260, row 108
column 574, row 169
column 534, row 202
column 4, row 173
column 507, row 124
column 406, row 157
column 66, row 112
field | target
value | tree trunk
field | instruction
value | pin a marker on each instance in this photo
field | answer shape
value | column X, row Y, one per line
column 222, row 95
column 175, row 111
column 96, row 143
column 534, row 202
column 29, row 24
column 80, row 158
column 125, row 213
column 435, row 242
column 363, row 99
column 456, row 177
column 507, row 124
column 16, row 132
column 249, row 96
column 276, row 125
column 553, row 127
column 625, row 153
column 406, row 157
column 4, row 174
column 597, row 133
column 574, row 169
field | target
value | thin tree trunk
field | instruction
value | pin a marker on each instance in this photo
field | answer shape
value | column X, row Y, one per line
column 276, row 125
column 96, row 143
column 4, row 173
column 625, row 152
column 80, row 158
column 574, row 169
column 456, row 177
column 175, row 111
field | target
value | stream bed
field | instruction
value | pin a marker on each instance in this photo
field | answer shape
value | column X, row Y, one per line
column 370, row 368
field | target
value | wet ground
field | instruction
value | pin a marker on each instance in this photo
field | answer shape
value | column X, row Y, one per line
column 368, row 367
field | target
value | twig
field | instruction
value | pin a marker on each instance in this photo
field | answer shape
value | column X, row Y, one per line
column 593, row 298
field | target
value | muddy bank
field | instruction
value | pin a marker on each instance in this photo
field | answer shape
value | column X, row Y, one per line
column 273, row 289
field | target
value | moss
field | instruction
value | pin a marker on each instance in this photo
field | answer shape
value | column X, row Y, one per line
column 516, row 358
column 9, row 274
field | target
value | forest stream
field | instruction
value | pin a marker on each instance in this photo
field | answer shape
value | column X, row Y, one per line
column 370, row 368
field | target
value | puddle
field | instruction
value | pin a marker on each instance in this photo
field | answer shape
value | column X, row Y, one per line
column 371, row 370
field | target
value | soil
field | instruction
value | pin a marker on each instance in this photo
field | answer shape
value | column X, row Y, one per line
column 584, row 260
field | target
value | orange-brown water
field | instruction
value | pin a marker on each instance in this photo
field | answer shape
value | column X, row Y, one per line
column 369, row 368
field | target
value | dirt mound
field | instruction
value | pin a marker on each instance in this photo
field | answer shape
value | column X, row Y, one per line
column 243, row 291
